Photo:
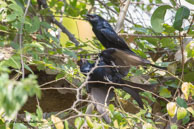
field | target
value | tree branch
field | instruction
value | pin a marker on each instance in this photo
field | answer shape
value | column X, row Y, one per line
column 122, row 15
column 63, row 28
column 106, row 6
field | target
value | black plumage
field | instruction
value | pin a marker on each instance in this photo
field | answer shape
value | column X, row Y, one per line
column 109, row 39
column 105, row 74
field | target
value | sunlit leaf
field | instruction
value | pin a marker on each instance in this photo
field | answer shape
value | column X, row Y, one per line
column 89, row 122
column 115, row 123
column 190, row 49
column 79, row 122
column 157, row 18
column 191, row 110
column 19, row 126
column 39, row 112
column 181, row 113
column 147, row 126
column 171, row 108
column 173, row 126
column 16, row 8
column 185, row 89
column 66, row 124
column 57, row 122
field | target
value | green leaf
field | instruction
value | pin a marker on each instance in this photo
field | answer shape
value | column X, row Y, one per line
column 57, row 122
column 173, row 2
column 164, row 92
column 173, row 126
column 181, row 102
column 186, row 119
column 10, row 17
column 111, row 107
column 171, row 108
column 168, row 28
column 33, row 26
column 181, row 113
column 147, row 126
column 89, row 122
column 190, row 49
column 39, row 112
column 66, row 124
column 19, row 126
column 182, row 13
column 79, row 122
column 191, row 110
column 2, row 124
column 28, row 68
column 13, row 62
column 190, row 1
column 17, row 9
column 168, row 42
column 157, row 18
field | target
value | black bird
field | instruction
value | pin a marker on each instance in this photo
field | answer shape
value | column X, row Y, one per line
column 108, row 74
column 105, row 73
column 109, row 38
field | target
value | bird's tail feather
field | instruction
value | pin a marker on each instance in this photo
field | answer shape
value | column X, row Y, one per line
column 134, row 94
column 140, row 87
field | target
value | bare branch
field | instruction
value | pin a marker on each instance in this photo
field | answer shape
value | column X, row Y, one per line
column 63, row 28
column 20, row 40
column 151, row 36
column 106, row 6
column 122, row 15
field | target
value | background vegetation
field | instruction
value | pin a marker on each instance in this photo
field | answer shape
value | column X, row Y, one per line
column 41, row 41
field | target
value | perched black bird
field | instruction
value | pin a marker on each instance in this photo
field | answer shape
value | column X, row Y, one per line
column 104, row 73
column 109, row 39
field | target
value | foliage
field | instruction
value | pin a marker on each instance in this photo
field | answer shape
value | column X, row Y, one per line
column 34, row 40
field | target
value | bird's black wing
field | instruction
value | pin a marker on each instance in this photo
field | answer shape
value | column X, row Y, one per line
column 114, row 40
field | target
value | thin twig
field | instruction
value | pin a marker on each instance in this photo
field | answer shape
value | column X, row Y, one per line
column 106, row 6
column 152, row 36
column 183, row 65
column 20, row 39
column 63, row 28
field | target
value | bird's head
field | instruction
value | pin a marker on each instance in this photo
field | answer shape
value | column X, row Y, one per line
column 93, row 18
column 84, row 65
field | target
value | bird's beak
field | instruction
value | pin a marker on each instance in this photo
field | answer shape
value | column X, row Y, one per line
column 87, row 17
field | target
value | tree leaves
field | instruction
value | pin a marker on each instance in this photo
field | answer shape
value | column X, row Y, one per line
column 157, row 18
column 171, row 108
column 57, row 122
column 15, row 93
column 181, row 14
column 190, row 1
column 181, row 113
column 164, row 92
column 181, row 102
column 185, row 89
